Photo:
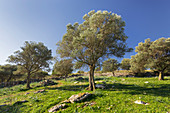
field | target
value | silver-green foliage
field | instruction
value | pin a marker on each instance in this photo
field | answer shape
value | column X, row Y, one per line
column 152, row 54
column 63, row 67
column 100, row 35
column 32, row 57
column 110, row 65
column 125, row 64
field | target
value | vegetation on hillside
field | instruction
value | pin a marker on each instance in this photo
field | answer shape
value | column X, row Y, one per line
column 100, row 35
column 118, row 96
column 33, row 58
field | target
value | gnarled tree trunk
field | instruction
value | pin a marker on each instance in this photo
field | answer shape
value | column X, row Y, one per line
column 113, row 73
column 161, row 75
column 28, row 80
column 91, row 78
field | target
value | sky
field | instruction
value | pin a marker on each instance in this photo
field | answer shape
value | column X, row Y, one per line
column 45, row 21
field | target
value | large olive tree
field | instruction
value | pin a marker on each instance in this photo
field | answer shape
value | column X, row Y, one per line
column 100, row 35
column 154, row 55
column 32, row 57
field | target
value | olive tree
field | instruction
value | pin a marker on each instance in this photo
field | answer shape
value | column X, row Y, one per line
column 63, row 67
column 32, row 57
column 110, row 65
column 100, row 35
column 154, row 55
column 125, row 64
column 6, row 72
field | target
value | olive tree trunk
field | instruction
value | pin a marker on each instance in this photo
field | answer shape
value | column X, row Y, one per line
column 28, row 80
column 113, row 73
column 65, row 77
column 91, row 78
column 161, row 75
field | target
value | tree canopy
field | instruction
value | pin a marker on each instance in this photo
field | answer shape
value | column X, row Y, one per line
column 154, row 55
column 100, row 35
column 63, row 67
column 125, row 64
column 7, row 72
column 32, row 57
column 110, row 65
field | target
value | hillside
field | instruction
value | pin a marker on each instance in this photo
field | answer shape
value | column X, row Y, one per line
column 119, row 96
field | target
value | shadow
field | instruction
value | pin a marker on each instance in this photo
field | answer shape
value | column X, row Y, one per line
column 15, row 108
column 159, row 90
column 96, row 79
column 70, row 87
column 25, row 89
column 81, row 79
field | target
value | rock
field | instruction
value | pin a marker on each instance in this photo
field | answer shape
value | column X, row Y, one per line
column 39, row 91
column 57, row 107
column 20, row 102
column 76, row 82
column 27, row 93
column 141, row 102
column 100, row 86
column 47, row 82
column 79, row 97
column 146, row 82
column 88, row 104
column 66, row 101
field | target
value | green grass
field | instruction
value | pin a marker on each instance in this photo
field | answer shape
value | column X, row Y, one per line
column 119, row 96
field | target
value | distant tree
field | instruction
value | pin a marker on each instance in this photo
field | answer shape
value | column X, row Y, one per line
column 137, row 63
column 40, row 75
column 100, row 35
column 125, row 64
column 154, row 55
column 33, row 57
column 63, row 67
column 3, row 74
column 19, row 73
column 6, row 72
column 98, row 68
column 10, row 69
column 110, row 65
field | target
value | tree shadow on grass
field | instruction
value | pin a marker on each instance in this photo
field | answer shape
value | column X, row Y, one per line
column 82, row 79
column 70, row 87
column 159, row 90
column 15, row 108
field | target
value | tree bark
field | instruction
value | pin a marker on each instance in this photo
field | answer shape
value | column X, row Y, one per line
column 91, row 78
column 161, row 75
column 113, row 73
column 65, row 77
column 28, row 80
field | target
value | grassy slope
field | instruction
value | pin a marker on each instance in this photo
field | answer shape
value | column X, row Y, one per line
column 119, row 98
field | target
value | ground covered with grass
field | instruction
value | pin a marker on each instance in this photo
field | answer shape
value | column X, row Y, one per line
column 118, row 96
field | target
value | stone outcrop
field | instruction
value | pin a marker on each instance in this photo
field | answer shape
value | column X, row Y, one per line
column 47, row 82
column 79, row 97
column 57, row 107
column 40, row 91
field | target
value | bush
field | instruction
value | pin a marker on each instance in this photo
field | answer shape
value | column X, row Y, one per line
column 80, row 71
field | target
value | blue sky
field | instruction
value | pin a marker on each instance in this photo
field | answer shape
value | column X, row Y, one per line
column 45, row 20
